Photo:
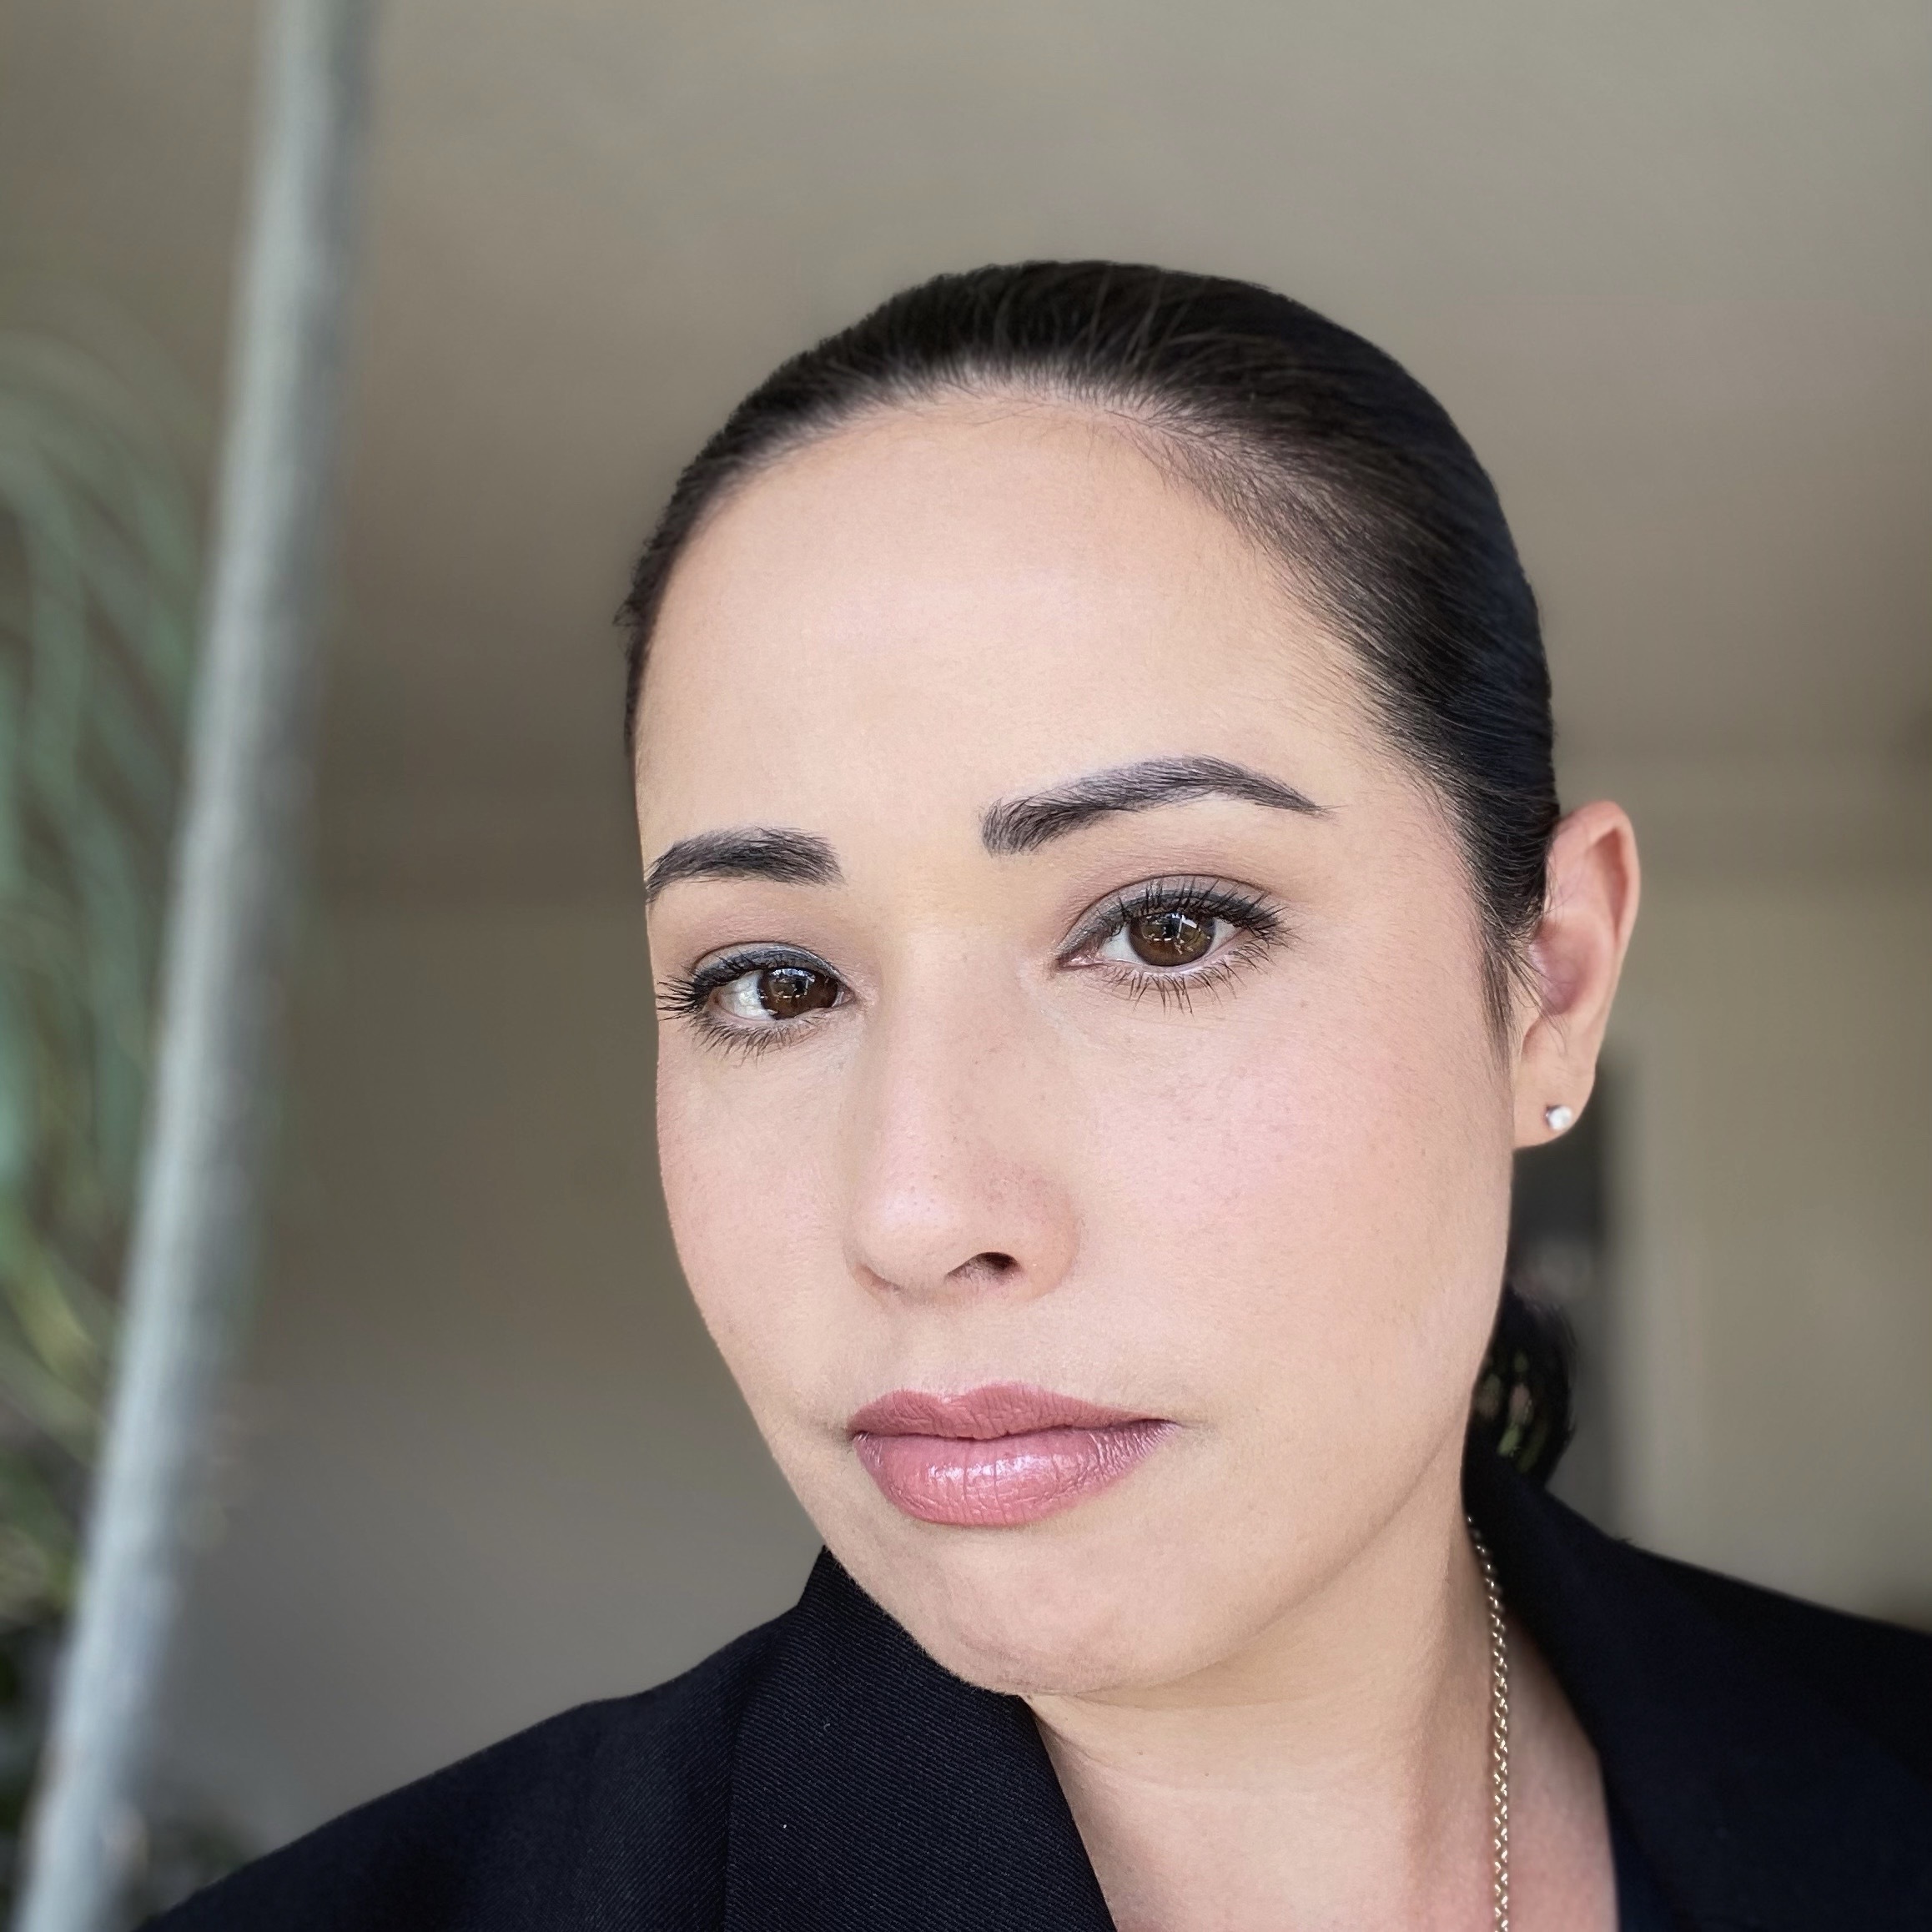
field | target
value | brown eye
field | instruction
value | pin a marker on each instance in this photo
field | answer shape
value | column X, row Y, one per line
column 1171, row 937
column 784, row 992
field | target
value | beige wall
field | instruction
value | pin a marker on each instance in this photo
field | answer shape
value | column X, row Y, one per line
column 1774, row 1372
column 485, row 1464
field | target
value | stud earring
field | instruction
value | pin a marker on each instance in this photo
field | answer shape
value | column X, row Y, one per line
column 1559, row 1119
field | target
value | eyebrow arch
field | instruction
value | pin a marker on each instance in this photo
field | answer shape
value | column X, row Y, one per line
column 745, row 851
column 1020, row 825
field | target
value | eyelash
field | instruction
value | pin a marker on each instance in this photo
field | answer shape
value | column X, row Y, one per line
column 1258, row 925
column 689, row 999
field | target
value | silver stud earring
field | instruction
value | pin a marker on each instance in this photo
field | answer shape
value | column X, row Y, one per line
column 1559, row 1119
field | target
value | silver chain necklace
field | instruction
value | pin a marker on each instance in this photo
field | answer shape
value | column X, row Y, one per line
column 1498, row 1732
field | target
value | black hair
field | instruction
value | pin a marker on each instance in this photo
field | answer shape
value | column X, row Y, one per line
column 1335, row 459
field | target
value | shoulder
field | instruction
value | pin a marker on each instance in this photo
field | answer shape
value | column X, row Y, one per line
column 615, row 1805
column 1877, row 1676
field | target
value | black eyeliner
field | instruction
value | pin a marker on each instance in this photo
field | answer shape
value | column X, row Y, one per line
column 687, row 994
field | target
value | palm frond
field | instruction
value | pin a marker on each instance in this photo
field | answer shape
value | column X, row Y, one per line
column 98, row 573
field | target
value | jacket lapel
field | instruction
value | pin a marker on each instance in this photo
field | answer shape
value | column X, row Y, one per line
column 1754, row 1803
column 874, row 1792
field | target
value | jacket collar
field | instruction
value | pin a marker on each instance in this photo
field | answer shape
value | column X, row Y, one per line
column 873, row 1791
column 1753, row 1802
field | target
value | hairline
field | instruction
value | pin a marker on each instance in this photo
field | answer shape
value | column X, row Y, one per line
column 1213, row 459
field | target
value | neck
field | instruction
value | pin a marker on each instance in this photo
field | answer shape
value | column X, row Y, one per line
column 1333, row 1771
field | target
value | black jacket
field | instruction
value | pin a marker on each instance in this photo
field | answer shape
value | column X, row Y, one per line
column 1769, row 1765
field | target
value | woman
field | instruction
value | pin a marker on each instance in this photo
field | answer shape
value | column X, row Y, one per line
column 1113, row 925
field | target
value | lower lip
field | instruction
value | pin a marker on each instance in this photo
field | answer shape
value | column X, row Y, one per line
column 1008, row 1481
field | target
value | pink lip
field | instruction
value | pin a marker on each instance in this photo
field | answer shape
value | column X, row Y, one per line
column 996, row 1456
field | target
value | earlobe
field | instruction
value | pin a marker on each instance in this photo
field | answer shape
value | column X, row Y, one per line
column 1577, row 956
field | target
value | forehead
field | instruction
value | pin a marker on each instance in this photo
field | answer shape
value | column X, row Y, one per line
column 980, row 595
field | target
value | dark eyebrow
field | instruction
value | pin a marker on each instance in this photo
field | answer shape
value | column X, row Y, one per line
column 745, row 851
column 1017, row 825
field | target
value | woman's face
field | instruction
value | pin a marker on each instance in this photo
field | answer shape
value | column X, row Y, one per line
column 1074, row 1007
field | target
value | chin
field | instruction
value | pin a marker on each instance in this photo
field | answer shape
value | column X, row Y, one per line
column 1060, row 1608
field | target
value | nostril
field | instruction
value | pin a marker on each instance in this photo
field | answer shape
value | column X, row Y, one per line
column 987, row 1266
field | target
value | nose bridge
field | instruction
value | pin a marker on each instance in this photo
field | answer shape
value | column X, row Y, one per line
column 952, row 1182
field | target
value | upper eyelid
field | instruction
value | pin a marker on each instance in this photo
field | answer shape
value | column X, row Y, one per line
column 732, row 961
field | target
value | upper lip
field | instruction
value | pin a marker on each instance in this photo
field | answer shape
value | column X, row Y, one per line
column 984, row 1414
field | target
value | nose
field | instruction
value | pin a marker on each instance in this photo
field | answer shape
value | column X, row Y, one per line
column 954, row 1187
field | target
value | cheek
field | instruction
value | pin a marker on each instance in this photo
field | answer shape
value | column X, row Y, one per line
column 1316, row 1195
column 748, row 1185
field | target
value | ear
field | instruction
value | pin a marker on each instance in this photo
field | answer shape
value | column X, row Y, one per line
column 1576, row 956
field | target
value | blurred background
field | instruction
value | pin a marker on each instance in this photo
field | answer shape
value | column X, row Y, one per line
column 1669, row 265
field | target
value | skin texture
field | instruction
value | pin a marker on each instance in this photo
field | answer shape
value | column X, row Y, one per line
column 1272, row 1212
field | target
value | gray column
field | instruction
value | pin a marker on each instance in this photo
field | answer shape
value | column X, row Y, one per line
column 235, row 891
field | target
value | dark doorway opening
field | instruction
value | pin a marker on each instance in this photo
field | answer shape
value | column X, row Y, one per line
column 1559, row 1244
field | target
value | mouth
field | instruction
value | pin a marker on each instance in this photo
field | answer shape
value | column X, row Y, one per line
column 997, row 1457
